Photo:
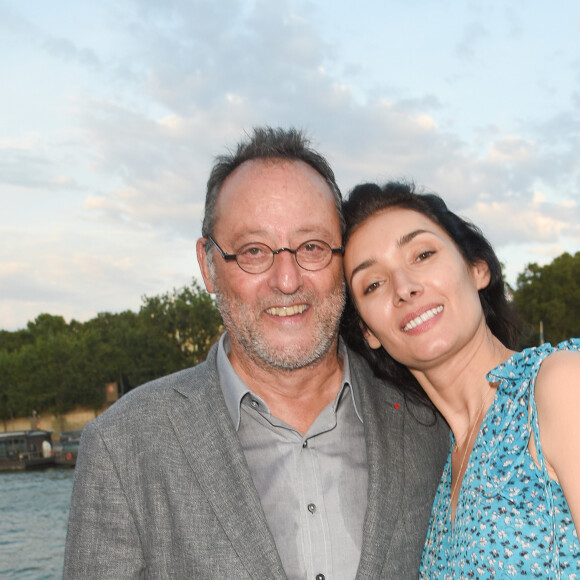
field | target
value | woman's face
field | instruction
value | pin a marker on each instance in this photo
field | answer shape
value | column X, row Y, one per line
column 413, row 288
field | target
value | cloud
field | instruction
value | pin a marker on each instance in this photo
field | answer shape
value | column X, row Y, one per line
column 79, row 274
column 157, row 159
column 512, row 150
column 67, row 50
column 103, row 172
column 536, row 221
column 473, row 34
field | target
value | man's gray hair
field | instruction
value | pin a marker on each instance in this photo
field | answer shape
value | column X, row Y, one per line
column 266, row 143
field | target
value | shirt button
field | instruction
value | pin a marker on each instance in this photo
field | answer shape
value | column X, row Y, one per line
column 305, row 444
column 319, row 576
column 255, row 404
column 311, row 509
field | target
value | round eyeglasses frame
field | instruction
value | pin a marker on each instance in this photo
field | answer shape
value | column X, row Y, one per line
column 300, row 255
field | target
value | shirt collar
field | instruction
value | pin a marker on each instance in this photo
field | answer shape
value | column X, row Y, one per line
column 234, row 389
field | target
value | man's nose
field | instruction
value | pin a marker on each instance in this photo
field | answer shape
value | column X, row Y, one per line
column 285, row 273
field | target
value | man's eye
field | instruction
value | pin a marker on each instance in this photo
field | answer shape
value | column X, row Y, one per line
column 312, row 247
column 313, row 251
column 250, row 252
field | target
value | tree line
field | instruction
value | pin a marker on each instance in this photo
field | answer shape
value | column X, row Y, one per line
column 549, row 295
column 53, row 366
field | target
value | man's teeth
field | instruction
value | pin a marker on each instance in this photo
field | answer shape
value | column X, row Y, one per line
column 287, row 310
column 427, row 315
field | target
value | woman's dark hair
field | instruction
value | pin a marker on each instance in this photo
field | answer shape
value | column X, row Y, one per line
column 366, row 200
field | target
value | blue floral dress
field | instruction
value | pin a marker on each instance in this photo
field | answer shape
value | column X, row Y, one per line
column 512, row 520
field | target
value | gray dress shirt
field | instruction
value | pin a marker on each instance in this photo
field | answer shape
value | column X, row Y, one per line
column 163, row 490
column 313, row 488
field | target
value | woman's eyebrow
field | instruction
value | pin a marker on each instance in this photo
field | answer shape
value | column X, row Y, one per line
column 361, row 266
column 407, row 238
column 411, row 236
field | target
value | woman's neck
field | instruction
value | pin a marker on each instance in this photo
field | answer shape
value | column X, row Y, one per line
column 457, row 386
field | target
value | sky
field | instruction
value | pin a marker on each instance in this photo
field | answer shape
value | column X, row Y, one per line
column 112, row 112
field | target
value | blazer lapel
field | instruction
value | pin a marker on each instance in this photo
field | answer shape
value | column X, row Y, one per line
column 207, row 436
column 383, row 416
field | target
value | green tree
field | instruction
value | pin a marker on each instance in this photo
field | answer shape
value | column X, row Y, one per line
column 7, row 403
column 188, row 319
column 52, row 366
column 47, row 325
column 13, row 341
column 48, row 374
column 550, row 295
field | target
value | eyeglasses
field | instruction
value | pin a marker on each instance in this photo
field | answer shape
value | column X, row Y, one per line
column 256, row 258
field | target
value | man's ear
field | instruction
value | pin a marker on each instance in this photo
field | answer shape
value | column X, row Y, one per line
column 202, row 260
column 370, row 337
column 481, row 274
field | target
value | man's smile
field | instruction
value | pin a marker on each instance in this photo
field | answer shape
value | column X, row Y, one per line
column 287, row 310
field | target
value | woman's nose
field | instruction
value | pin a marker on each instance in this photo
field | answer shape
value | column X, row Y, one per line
column 405, row 287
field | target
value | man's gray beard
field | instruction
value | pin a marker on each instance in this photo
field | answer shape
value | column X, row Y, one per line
column 263, row 356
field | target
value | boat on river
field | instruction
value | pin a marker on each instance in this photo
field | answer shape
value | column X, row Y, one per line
column 66, row 449
column 26, row 449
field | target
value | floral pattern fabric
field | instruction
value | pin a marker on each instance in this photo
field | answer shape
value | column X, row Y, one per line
column 511, row 520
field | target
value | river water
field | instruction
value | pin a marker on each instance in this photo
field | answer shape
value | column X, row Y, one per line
column 33, row 517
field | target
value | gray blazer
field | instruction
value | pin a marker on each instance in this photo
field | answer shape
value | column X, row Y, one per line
column 162, row 489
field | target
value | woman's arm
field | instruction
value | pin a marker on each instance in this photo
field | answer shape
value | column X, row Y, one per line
column 558, row 404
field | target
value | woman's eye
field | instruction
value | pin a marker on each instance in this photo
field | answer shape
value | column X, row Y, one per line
column 371, row 287
column 424, row 255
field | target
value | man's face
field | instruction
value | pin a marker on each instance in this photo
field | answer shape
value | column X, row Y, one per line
column 286, row 317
